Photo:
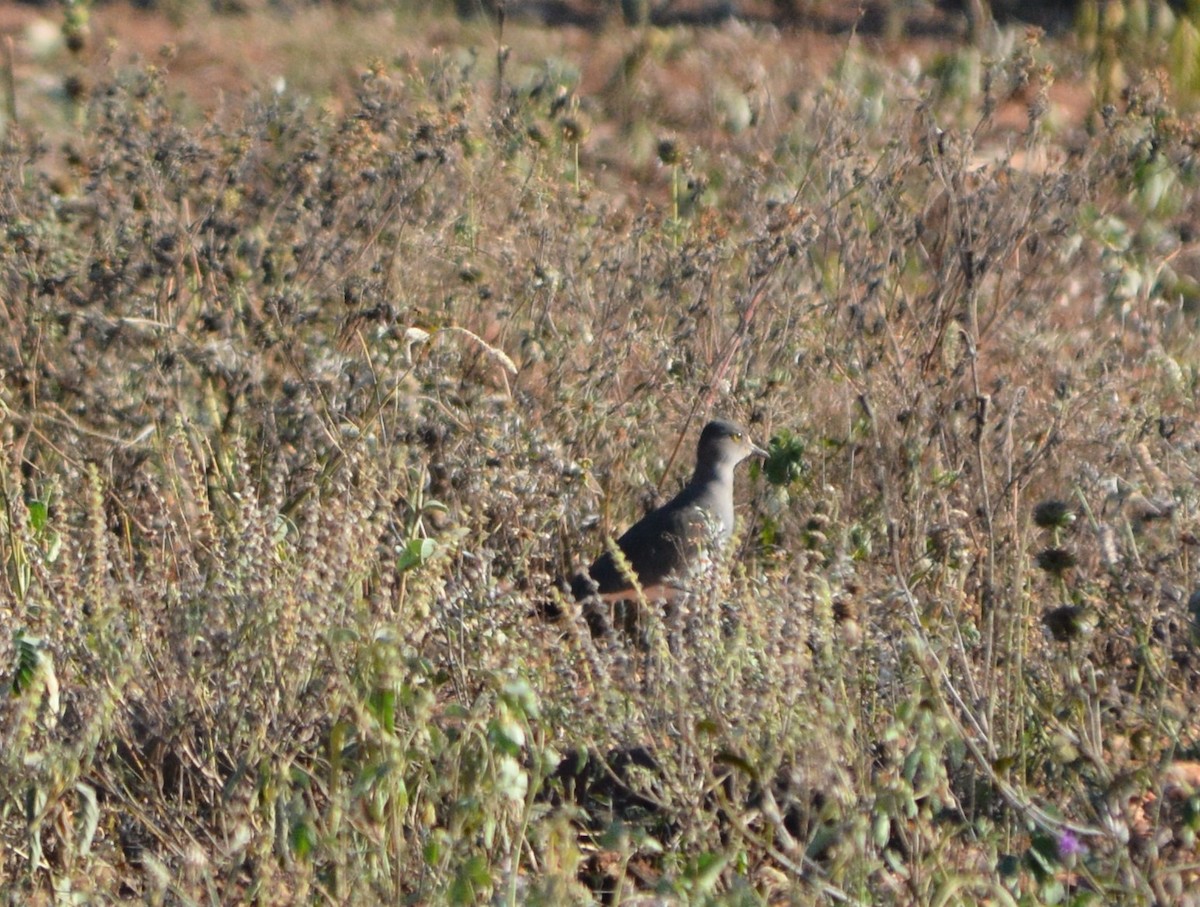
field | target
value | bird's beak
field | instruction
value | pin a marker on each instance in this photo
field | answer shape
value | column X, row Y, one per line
column 758, row 451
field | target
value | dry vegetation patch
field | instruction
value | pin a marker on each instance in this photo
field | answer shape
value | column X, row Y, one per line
column 308, row 408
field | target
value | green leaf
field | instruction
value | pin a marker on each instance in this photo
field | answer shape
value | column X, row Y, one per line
column 39, row 514
column 472, row 875
column 53, row 547
column 506, row 734
column 433, row 848
column 785, row 459
column 707, row 871
column 415, row 553
column 304, row 839
column 89, row 817
column 1042, row 857
column 29, row 658
column 382, row 705
column 882, row 830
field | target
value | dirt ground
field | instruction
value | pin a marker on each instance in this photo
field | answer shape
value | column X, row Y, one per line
column 213, row 60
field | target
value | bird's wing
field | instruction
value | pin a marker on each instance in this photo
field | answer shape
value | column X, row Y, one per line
column 658, row 548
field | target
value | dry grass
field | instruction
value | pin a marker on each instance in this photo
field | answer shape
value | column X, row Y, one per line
column 306, row 411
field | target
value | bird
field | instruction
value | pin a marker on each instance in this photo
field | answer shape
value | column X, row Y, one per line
column 663, row 547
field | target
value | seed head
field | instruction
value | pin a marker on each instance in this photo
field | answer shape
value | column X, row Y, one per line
column 1053, row 514
column 1056, row 560
column 669, row 153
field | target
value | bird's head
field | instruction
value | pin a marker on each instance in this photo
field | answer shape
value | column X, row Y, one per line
column 723, row 445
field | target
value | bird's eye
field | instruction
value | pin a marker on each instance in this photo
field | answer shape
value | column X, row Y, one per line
column 737, row 436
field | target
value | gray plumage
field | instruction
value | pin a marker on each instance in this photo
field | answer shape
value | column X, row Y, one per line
column 663, row 546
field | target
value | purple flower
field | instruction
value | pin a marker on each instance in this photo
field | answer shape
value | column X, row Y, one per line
column 1070, row 846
